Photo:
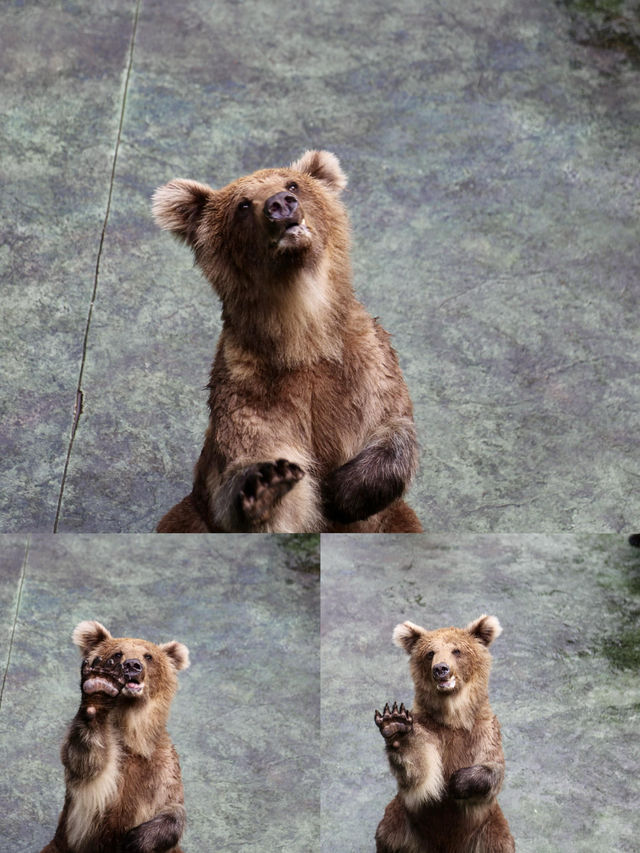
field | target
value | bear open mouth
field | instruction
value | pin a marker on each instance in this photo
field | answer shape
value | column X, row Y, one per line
column 446, row 686
column 133, row 687
column 295, row 235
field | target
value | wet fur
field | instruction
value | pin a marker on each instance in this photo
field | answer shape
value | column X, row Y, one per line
column 449, row 764
column 301, row 373
column 123, row 784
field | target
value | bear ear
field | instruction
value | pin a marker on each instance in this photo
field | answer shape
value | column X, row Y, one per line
column 87, row 635
column 323, row 166
column 177, row 653
column 178, row 207
column 406, row 635
column 486, row 629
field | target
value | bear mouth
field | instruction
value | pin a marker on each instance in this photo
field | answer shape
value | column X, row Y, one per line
column 295, row 235
column 133, row 687
column 446, row 686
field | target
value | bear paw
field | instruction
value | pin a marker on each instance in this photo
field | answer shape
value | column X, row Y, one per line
column 470, row 782
column 103, row 677
column 263, row 487
column 394, row 723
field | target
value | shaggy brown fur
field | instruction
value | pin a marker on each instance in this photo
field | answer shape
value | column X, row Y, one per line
column 123, row 785
column 311, row 425
column 446, row 754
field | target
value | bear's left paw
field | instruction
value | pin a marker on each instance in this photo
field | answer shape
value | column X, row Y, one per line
column 470, row 782
column 263, row 487
column 160, row 833
column 394, row 723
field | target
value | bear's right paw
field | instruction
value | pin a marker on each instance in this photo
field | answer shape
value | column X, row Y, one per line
column 101, row 680
column 394, row 723
column 263, row 487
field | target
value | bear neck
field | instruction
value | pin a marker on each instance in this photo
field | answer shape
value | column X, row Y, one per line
column 461, row 711
column 294, row 323
column 142, row 726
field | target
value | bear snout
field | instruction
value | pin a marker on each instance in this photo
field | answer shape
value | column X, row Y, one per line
column 134, row 673
column 132, row 668
column 441, row 671
column 282, row 208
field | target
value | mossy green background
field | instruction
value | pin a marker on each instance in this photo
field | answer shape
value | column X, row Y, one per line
column 492, row 153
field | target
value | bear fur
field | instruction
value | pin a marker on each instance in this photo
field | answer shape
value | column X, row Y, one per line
column 446, row 753
column 311, row 426
column 123, row 784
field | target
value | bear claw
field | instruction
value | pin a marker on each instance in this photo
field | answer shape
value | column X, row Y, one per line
column 264, row 485
column 394, row 721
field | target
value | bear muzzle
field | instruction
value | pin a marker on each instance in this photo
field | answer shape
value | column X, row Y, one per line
column 285, row 221
column 444, row 679
column 133, row 671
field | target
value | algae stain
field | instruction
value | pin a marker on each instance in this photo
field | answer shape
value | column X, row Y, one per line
column 623, row 651
column 606, row 25
column 301, row 551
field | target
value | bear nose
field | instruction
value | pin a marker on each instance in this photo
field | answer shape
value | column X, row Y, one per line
column 441, row 670
column 132, row 666
column 280, row 206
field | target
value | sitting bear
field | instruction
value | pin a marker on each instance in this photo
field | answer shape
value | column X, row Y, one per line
column 446, row 754
column 123, row 784
column 311, row 425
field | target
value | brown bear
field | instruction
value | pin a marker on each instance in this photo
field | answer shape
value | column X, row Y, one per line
column 123, row 784
column 311, row 425
column 446, row 754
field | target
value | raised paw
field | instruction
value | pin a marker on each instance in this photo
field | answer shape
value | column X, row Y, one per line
column 264, row 485
column 102, row 676
column 394, row 723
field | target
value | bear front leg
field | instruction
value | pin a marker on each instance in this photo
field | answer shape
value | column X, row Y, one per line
column 376, row 477
column 483, row 779
column 414, row 756
column 161, row 833
column 87, row 750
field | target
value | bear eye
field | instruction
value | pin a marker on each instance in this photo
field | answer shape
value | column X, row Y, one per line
column 117, row 656
column 292, row 187
column 245, row 204
column 456, row 653
column 148, row 656
column 430, row 655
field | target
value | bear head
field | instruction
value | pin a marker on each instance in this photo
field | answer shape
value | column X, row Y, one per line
column 260, row 231
column 450, row 667
column 134, row 671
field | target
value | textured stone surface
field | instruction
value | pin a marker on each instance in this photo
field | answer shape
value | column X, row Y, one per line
column 564, row 683
column 492, row 153
column 246, row 718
